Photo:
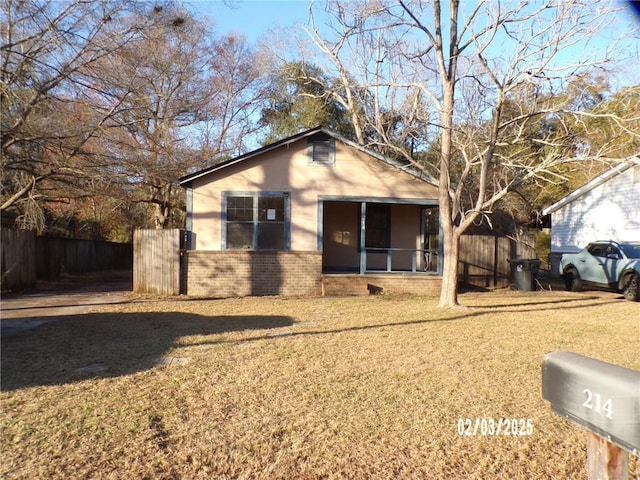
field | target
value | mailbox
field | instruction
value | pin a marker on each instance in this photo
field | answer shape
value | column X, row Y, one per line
column 599, row 396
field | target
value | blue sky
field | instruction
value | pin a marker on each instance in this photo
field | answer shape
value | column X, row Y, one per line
column 253, row 18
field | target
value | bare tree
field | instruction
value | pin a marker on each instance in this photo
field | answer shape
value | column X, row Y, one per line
column 485, row 78
column 156, row 88
column 237, row 93
column 45, row 51
column 183, row 98
column 115, row 98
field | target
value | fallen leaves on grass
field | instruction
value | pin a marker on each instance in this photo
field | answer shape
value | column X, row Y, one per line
column 303, row 388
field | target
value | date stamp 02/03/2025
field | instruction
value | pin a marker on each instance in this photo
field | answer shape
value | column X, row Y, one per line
column 514, row 427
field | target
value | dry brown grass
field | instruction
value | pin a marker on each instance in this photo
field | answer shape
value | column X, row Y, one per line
column 302, row 388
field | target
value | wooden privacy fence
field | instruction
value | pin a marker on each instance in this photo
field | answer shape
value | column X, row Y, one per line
column 157, row 261
column 27, row 257
column 484, row 259
column 18, row 259
column 57, row 255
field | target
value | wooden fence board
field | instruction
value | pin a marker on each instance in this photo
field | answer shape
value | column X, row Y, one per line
column 57, row 255
column 18, row 254
column 157, row 261
column 27, row 257
column 484, row 259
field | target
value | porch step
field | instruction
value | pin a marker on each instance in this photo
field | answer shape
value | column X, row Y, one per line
column 344, row 286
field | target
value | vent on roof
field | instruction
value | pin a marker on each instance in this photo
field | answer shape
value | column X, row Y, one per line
column 321, row 151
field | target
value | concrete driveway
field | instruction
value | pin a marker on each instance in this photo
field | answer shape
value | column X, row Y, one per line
column 57, row 300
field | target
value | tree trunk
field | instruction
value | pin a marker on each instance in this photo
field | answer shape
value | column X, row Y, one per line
column 448, row 204
column 161, row 217
column 162, row 206
column 451, row 252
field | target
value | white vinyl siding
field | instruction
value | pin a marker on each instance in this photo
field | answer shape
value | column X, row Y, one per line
column 610, row 211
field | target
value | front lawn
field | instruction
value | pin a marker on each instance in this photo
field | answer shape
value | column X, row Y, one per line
column 269, row 388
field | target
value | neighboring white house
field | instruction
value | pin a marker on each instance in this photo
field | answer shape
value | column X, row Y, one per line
column 606, row 208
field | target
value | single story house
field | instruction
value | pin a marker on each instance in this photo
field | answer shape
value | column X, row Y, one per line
column 606, row 208
column 313, row 213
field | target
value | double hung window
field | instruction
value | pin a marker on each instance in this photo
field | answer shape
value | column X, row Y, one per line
column 256, row 221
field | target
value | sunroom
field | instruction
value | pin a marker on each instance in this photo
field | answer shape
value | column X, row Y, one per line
column 368, row 235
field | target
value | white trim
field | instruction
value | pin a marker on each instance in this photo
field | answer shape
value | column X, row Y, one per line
column 599, row 180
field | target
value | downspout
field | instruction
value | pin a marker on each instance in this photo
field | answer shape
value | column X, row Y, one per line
column 189, row 222
column 363, row 250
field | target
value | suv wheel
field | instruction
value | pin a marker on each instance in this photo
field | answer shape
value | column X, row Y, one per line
column 631, row 287
column 572, row 280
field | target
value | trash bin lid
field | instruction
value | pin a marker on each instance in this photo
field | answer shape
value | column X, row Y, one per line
column 524, row 260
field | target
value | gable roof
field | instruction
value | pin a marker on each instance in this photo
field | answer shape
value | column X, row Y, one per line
column 186, row 180
column 596, row 182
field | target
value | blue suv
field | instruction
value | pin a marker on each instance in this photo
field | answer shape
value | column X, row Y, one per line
column 604, row 264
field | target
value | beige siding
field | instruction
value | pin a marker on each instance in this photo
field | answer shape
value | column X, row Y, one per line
column 354, row 174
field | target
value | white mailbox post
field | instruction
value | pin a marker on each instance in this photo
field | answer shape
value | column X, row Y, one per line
column 604, row 399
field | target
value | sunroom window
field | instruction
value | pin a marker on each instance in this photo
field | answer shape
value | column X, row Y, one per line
column 378, row 226
column 257, row 221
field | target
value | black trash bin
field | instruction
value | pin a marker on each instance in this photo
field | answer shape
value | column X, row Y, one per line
column 524, row 272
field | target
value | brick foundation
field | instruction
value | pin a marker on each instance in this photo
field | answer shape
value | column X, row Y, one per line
column 344, row 285
column 208, row 273
column 414, row 284
column 243, row 273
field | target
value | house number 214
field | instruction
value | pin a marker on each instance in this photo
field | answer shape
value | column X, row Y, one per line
column 594, row 402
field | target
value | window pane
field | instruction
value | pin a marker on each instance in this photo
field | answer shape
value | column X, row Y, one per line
column 240, row 209
column 270, row 236
column 271, row 209
column 264, row 231
column 432, row 220
column 240, row 235
column 377, row 227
